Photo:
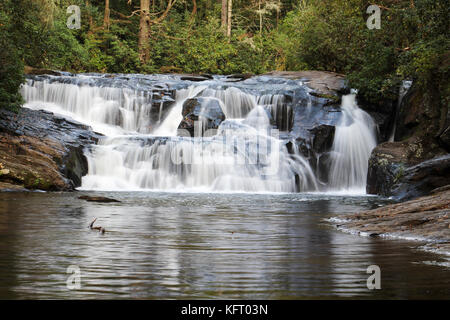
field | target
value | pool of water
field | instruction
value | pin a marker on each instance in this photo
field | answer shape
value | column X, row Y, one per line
column 203, row 246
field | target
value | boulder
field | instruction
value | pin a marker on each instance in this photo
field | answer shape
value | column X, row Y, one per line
column 206, row 110
column 41, row 151
column 407, row 169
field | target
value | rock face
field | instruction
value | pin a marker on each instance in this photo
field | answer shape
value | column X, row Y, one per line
column 315, row 114
column 419, row 162
column 41, row 151
column 404, row 170
column 322, row 82
column 426, row 218
column 201, row 110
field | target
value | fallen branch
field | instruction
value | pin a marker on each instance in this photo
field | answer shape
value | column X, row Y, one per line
column 91, row 226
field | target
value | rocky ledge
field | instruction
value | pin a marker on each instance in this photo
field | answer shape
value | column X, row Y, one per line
column 424, row 219
column 408, row 169
column 39, row 150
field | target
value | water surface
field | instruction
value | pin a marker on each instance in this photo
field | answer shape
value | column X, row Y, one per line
column 203, row 246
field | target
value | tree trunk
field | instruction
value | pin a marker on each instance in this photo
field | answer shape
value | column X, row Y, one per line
column 260, row 17
column 224, row 16
column 144, row 30
column 91, row 21
column 106, row 19
column 230, row 9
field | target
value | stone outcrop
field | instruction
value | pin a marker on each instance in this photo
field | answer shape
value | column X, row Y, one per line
column 407, row 169
column 205, row 110
column 39, row 150
column 325, row 84
column 419, row 161
column 426, row 218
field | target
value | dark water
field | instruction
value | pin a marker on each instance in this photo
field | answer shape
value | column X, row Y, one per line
column 209, row 246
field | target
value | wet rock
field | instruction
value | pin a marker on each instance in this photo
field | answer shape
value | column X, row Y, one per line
column 422, row 178
column 322, row 82
column 206, row 111
column 41, row 151
column 195, row 78
column 161, row 105
column 425, row 218
column 421, row 114
column 404, row 169
column 239, row 76
column 322, row 137
column 282, row 116
column 98, row 199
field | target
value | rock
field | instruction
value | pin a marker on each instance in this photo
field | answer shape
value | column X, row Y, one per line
column 323, row 82
column 203, row 109
column 239, row 76
column 35, row 71
column 282, row 116
column 404, row 169
column 444, row 135
column 195, row 78
column 421, row 114
column 423, row 178
column 98, row 199
column 8, row 187
column 41, row 151
column 422, row 218
column 161, row 105
column 322, row 137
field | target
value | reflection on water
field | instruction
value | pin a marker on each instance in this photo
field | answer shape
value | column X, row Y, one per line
column 168, row 245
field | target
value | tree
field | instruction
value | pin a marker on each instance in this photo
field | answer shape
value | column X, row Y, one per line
column 106, row 19
column 224, row 16
column 230, row 9
column 144, row 31
column 145, row 27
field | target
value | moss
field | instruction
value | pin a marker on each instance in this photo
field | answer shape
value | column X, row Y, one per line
column 400, row 172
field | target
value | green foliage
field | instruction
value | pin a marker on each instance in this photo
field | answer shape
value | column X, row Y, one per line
column 11, row 66
column 330, row 35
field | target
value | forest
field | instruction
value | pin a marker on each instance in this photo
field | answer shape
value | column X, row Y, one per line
column 229, row 36
column 216, row 149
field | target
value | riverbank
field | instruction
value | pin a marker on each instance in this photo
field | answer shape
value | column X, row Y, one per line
column 424, row 219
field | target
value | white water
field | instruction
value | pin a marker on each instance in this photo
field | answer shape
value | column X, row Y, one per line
column 168, row 127
column 354, row 140
column 244, row 155
column 107, row 110
column 237, row 103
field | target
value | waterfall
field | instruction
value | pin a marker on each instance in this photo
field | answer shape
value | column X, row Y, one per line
column 406, row 84
column 354, row 140
column 253, row 150
column 107, row 110
column 237, row 103
column 242, row 157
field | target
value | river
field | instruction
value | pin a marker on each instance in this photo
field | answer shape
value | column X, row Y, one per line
column 161, row 245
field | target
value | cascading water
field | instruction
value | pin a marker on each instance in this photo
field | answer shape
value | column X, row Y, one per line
column 107, row 110
column 237, row 103
column 169, row 126
column 406, row 85
column 242, row 157
column 354, row 140
column 141, row 150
